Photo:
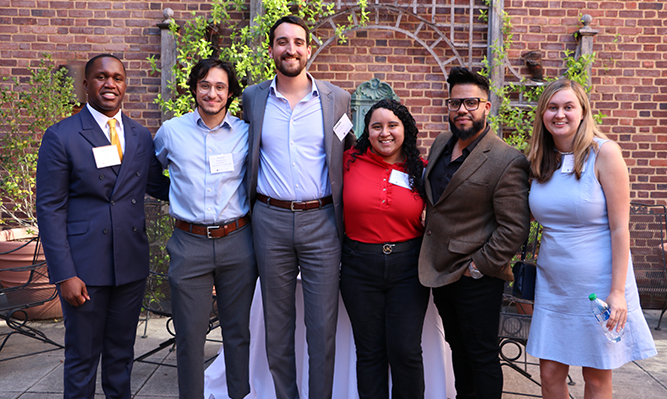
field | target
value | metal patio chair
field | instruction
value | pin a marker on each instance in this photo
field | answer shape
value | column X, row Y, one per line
column 157, row 299
column 14, row 300
column 647, row 239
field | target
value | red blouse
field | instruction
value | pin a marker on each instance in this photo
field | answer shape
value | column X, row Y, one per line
column 375, row 210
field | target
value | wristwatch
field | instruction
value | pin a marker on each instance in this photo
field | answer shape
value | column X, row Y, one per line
column 474, row 272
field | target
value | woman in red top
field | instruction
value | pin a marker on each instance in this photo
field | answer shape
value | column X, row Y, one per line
column 383, row 201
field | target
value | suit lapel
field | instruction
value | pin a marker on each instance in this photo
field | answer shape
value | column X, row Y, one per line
column 91, row 130
column 436, row 152
column 131, row 141
column 258, row 107
column 327, row 101
column 258, row 104
column 93, row 134
column 474, row 161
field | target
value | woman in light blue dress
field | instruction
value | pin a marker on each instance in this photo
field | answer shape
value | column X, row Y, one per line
column 580, row 195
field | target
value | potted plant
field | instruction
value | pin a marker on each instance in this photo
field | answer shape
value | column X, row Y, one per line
column 27, row 107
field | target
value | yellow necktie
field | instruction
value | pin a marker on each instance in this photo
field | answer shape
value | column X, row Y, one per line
column 114, row 137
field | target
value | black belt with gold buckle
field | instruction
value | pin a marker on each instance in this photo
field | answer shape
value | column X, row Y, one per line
column 386, row 248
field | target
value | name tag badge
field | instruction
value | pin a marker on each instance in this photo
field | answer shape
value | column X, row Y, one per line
column 399, row 178
column 342, row 127
column 568, row 163
column 106, row 156
column 221, row 163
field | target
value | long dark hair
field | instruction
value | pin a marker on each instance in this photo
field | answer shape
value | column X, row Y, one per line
column 413, row 162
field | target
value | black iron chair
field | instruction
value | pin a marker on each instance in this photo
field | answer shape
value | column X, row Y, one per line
column 157, row 300
column 515, row 319
column 15, row 300
column 647, row 237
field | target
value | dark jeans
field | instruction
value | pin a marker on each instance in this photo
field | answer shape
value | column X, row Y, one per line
column 470, row 311
column 386, row 304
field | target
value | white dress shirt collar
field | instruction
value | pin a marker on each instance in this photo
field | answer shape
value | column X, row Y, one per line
column 200, row 122
column 102, row 120
column 313, row 88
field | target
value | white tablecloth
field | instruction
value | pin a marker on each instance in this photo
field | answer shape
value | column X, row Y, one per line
column 438, row 372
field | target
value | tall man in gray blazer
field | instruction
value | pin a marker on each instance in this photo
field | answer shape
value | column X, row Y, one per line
column 477, row 217
column 295, row 187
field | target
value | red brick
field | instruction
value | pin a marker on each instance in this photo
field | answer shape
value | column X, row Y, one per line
column 99, row 5
column 647, row 5
column 43, row 13
column 24, row 21
column 80, row 13
column 606, row 5
column 99, row 22
column 23, row 38
column 631, row 14
column 23, row 3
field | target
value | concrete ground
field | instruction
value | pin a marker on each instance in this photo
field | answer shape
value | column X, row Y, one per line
column 40, row 376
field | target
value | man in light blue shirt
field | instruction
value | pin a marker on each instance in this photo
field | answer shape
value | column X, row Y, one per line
column 206, row 152
column 295, row 185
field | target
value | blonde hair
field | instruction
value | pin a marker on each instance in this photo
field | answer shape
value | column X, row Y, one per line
column 543, row 156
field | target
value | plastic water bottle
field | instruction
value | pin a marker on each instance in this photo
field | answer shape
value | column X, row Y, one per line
column 601, row 312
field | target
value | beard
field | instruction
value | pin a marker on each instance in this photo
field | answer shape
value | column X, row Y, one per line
column 463, row 134
column 211, row 110
column 290, row 71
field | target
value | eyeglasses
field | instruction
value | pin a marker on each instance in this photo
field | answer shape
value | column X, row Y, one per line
column 204, row 88
column 471, row 104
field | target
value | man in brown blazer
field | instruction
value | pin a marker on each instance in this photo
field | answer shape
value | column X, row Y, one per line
column 477, row 217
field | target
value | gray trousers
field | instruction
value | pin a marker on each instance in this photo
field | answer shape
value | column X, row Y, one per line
column 287, row 242
column 196, row 265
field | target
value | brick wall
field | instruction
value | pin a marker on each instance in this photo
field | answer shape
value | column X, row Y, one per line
column 629, row 76
column 394, row 57
column 74, row 31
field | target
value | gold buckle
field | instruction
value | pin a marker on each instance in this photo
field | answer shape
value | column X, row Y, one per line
column 387, row 248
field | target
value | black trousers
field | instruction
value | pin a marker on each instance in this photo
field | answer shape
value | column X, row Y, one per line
column 105, row 326
column 470, row 311
column 386, row 304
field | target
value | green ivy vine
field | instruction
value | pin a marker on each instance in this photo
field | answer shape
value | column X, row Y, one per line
column 519, row 120
column 251, row 60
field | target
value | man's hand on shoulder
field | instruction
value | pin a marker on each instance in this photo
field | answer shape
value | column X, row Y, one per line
column 74, row 291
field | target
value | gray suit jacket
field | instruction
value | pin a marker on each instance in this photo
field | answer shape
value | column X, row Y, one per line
column 482, row 215
column 335, row 103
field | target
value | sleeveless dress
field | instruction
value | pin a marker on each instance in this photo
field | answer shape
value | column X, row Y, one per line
column 574, row 261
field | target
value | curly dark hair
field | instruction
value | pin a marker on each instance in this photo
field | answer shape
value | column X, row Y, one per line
column 413, row 162
column 201, row 69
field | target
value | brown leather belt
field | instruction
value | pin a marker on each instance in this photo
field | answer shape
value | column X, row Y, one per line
column 213, row 231
column 296, row 205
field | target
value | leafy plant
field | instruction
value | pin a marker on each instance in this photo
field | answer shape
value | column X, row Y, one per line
column 248, row 51
column 519, row 119
column 26, row 110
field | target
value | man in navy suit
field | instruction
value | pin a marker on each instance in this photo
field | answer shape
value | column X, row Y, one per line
column 90, row 209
